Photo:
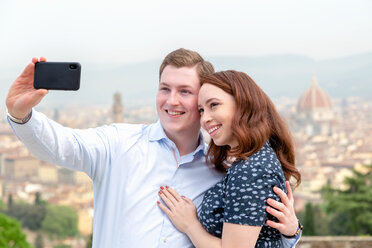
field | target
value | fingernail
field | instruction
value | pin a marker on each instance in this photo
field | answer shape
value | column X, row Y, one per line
column 166, row 186
column 158, row 202
column 160, row 192
column 183, row 196
column 161, row 187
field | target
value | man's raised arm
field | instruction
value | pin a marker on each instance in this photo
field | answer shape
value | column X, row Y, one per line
column 84, row 150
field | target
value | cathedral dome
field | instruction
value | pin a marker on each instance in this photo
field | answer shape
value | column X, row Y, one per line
column 314, row 99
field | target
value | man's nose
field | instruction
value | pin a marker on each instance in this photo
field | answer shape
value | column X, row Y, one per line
column 173, row 99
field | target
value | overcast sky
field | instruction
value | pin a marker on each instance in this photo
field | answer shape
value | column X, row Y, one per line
column 132, row 31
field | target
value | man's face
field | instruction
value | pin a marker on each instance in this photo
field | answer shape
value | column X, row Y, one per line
column 177, row 101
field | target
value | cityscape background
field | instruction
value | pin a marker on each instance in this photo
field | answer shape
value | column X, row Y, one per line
column 313, row 58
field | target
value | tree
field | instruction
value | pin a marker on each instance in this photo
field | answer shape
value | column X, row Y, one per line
column 10, row 201
column 11, row 234
column 89, row 241
column 309, row 223
column 39, row 241
column 2, row 206
column 38, row 198
column 321, row 221
column 31, row 216
column 60, row 221
column 351, row 208
column 62, row 246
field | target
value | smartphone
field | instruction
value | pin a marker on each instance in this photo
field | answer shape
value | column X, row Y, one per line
column 57, row 75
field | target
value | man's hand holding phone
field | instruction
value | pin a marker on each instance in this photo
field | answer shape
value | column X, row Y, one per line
column 33, row 84
column 22, row 95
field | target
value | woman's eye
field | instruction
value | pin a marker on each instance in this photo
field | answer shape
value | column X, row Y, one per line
column 214, row 104
column 164, row 89
column 201, row 111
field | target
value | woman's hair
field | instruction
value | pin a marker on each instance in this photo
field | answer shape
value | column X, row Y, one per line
column 256, row 121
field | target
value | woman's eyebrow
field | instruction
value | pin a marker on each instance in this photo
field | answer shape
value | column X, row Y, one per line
column 208, row 101
column 212, row 99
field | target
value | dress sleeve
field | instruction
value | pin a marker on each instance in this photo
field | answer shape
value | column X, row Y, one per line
column 249, row 185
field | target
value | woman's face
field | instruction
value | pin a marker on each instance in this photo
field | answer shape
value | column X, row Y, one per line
column 217, row 110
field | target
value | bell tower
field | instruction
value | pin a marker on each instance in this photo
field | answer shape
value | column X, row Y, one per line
column 117, row 108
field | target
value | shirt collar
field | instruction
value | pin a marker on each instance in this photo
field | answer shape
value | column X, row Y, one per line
column 157, row 133
column 202, row 146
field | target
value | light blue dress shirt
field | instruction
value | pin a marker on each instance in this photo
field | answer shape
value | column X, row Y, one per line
column 127, row 164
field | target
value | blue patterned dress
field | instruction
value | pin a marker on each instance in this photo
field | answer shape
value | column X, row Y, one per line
column 240, row 197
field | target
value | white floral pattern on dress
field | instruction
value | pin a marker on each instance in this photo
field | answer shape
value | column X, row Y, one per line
column 240, row 197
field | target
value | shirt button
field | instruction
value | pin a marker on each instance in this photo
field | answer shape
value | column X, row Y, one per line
column 165, row 240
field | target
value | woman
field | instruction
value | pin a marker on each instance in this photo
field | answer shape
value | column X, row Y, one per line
column 251, row 142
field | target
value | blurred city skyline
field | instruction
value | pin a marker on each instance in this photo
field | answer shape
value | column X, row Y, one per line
column 278, row 75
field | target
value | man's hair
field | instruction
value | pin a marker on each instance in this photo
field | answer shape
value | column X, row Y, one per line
column 187, row 58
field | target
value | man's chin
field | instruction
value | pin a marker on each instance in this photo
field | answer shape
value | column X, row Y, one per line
column 174, row 129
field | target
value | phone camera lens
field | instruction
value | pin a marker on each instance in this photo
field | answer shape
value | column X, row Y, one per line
column 73, row 66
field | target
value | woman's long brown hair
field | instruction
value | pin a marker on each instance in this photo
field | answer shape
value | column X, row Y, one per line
column 255, row 122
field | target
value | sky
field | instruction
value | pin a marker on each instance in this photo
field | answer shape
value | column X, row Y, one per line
column 134, row 31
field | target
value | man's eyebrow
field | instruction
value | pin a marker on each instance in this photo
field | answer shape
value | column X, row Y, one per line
column 178, row 86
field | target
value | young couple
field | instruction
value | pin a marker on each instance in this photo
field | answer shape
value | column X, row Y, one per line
column 149, row 179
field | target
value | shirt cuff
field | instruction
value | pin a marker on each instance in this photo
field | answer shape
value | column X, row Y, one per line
column 291, row 242
column 20, row 121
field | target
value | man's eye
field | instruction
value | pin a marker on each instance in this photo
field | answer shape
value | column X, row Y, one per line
column 164, row 89
column 185, row 92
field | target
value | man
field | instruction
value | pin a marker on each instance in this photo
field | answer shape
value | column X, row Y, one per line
column 128, row 163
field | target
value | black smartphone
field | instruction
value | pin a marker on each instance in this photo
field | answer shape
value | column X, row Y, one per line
column 57, row 75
